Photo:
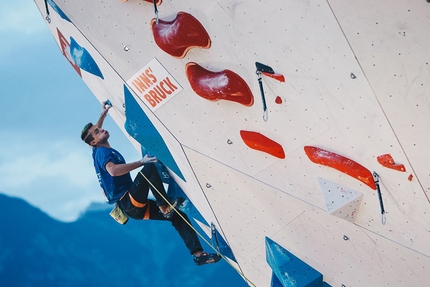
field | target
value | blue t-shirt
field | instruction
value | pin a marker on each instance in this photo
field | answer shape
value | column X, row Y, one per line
column 113, row 186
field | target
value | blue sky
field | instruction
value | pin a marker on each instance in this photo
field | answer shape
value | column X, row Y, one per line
column 44, row 106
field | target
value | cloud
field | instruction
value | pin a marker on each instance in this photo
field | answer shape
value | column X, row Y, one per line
column 20, row 16
column 55, row 175
column 29, row 163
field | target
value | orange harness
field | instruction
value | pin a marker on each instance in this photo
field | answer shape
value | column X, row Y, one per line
column 139, row 205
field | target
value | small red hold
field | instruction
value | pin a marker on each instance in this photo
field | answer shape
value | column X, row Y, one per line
column 223, row 85
column 410, row 177
column 262, row 143
column 278, row 100
column 275, row 76
column 178, row 36
column 387, row 161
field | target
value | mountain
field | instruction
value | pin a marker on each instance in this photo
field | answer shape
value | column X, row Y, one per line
column 37, row 250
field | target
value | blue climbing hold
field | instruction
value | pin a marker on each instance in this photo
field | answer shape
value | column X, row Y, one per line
column 289, row 270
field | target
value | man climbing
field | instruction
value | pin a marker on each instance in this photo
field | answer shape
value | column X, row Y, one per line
column 131, row 196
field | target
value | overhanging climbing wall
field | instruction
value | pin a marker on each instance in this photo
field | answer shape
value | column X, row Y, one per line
column 272, row 116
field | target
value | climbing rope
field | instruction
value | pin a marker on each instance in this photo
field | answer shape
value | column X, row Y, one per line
column 198, row 233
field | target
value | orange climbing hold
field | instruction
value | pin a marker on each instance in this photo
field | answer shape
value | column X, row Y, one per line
column 214, row 86
column 341, row 163
column 178, row 36
column 387, row 161
column 260, row 142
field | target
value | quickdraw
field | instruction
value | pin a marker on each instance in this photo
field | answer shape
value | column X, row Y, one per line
column 381, row 203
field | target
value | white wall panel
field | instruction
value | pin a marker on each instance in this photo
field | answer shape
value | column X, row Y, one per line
column 316, row 45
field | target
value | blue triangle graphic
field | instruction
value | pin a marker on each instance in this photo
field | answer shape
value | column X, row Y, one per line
column 83, row 59
column 139, row 126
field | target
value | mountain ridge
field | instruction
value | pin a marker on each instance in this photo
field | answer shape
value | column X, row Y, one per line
column 94, row 250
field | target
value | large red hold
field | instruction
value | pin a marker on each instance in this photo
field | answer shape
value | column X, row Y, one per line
column 341, row 163
column 223, row 85
column 262, row 143
column 178, row 36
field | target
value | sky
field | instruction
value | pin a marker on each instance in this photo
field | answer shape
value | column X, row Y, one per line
column 44, row 106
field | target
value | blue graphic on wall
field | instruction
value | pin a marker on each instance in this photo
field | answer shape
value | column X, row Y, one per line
column 58, row 10
column 139, row 126
column 83, row 59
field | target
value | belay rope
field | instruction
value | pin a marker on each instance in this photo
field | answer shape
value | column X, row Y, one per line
column 189, row 224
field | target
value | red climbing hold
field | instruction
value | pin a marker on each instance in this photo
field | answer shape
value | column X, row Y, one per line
column 278, row 100
column 260, row 142
column 214, row 86
column 178, row 36
column 341, row 163
column 387, row 161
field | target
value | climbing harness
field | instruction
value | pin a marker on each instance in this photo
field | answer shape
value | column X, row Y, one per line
column 201, row 236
